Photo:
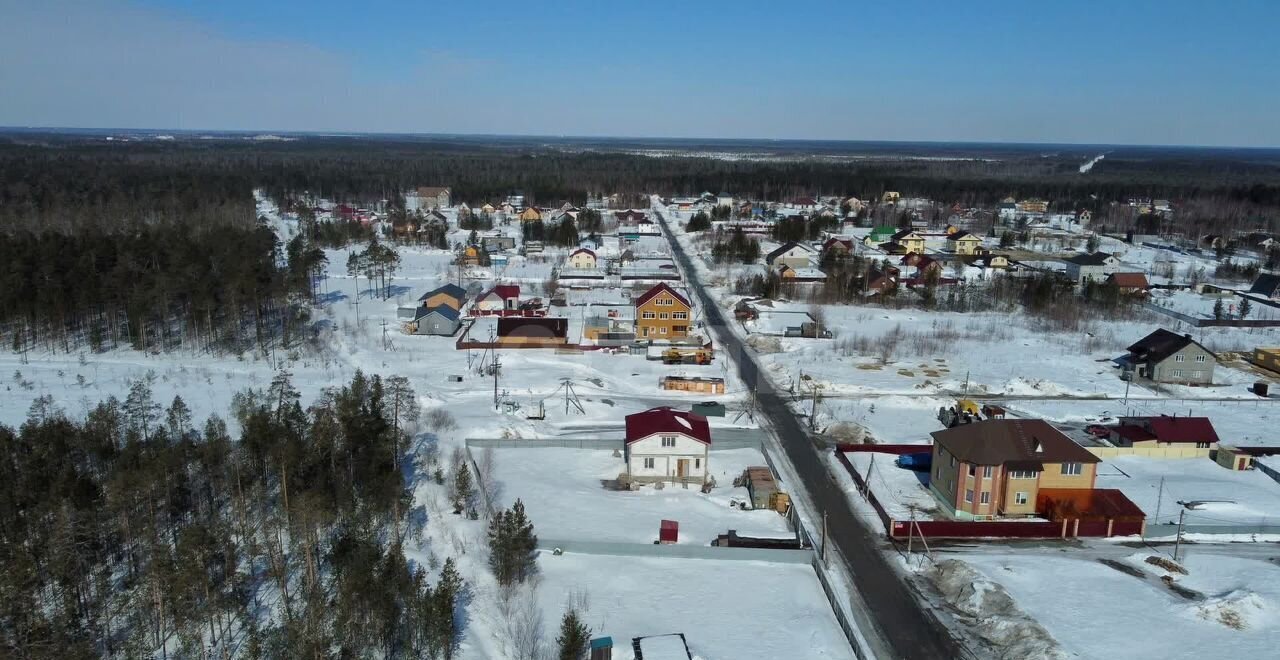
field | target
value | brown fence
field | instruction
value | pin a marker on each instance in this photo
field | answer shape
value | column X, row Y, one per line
column 974, row 529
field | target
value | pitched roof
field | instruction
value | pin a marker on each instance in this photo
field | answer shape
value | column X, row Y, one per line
column 1133, row 433
column 582, row 249
column 962, row 235
column 443, row 310
column 1004, row 441
column 659, row 288
column 1094, row 259
column 882, row 230
column 666, row 420
column 503, row 291
column 1129, row 280
column 1182, row 429
column 787, row 247
column 452, row 290
column 1266, row 285
column 901, row 234
column 1160, row 344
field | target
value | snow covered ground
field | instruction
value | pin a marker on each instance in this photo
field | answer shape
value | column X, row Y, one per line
column 726, row 609
column 1248, row 497
column 562, row 491
column 1228, row 607
column 897, row 489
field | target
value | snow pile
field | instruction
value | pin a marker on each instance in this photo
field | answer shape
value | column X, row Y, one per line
column 764, row 344
column 1240, row 609
column 1010, row 632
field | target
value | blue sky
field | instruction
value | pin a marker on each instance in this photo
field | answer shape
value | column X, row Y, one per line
column 1170, row 72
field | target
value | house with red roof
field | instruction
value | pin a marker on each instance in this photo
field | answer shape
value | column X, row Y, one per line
column 667, row 445
column 498, row 300
column 662, row 313
column 1165, row 431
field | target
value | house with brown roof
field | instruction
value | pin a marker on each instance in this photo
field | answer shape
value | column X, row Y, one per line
column 964, row 243
column 1164, row 431
column 431, row 197
column 1131, row 283
column 667, row 445
column 910, row 240
column 531, row 214
column 662, row 313
column 996, row 468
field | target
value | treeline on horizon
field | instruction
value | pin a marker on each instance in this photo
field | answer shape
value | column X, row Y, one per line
column 202, row 184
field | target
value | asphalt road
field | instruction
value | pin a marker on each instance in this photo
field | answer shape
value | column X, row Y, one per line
column 901, row 623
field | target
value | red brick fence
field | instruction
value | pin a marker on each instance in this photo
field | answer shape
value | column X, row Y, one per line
column 1127, row 521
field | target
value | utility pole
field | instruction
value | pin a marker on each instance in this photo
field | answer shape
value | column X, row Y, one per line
column 813, row 413
column 1159, row 497
column 823, row 553
column 911, row 530
column 496, row 364
column 1177, row 543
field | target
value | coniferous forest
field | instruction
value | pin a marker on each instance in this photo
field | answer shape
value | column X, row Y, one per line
column 140, row 531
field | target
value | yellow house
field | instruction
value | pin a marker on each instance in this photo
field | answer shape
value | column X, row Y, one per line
column 997, row 468
column 662, row 313
column 910, row 240
column 471, row 255
column 964, row 243
column 531, row 214
column 449, row 295
column 1033, row 205
column 582, row 258
column 891, row 197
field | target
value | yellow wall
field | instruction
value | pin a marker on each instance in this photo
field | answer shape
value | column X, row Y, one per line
column 442, row 299
column 651, row 328
column 1052, row 476
column 1027, row 486
column 1149, row 452
column 1267, row 357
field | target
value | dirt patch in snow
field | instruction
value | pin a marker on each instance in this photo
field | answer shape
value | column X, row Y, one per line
column 994, row 616
column 764, row 344
column 1239, row 610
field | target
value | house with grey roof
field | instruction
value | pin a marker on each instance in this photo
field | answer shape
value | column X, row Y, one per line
column 440, row 320
column 1096, row 266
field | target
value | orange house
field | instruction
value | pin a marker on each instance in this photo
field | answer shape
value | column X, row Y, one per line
column 662, row 313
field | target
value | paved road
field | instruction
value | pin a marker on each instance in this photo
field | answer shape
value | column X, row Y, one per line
column 892, row 614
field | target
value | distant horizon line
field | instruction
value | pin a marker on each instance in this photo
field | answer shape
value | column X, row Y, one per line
column 86, row 130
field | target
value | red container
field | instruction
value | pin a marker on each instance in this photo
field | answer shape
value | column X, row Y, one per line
column 669, row 531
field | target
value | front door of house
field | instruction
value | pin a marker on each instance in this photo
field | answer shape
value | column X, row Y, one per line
column 682, row 467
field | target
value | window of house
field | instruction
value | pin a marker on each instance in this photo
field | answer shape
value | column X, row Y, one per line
column 972, row 469
column 1202, row 445
column 953, row 461
column 648, row 315
column 985, row 497
column 1177, row 373
column 1072, row 469
column 663, row 316
column 986, row 472
column 697, row 462
column 968, row 495
column 679, row 316
column 1019, row 498
column 1200, row 358
column 668, row 441
column 648, row 463
column 1022, row 474
column 662, row 330
column 1179, row 358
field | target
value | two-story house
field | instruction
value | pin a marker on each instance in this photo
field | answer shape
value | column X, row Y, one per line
column 582, row 258
column 662, row 313
column 1096, row 266
column 795, row 255
column 997, row 468
column 962, row 242
column 1168, row 357
column 663, row 444
column 910, row 240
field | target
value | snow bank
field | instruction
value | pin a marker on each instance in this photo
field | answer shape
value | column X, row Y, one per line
column 999, row 622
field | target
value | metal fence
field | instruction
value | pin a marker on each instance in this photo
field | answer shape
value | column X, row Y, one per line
column 676, row 551
column 1170, row 530
column 608, row 444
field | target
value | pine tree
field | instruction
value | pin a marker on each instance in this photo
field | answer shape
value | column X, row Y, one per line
column 524, row 543
column 500, row 547
column 1245, row 308
column 463, row 490
column 1218, row 310
column 574, row 637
